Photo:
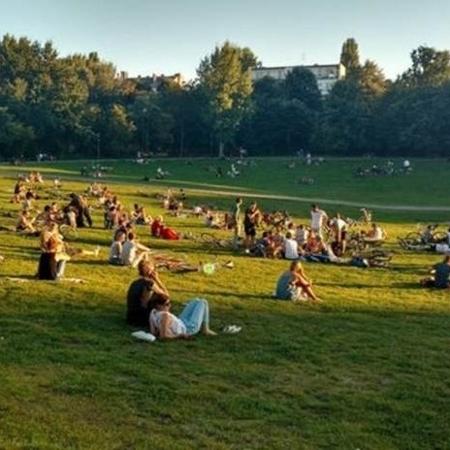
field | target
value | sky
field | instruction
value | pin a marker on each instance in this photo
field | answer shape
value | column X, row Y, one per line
column 144, row 37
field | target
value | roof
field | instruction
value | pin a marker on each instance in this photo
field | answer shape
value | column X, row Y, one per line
column 298, row 66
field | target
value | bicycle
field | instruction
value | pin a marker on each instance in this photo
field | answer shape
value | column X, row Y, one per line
column 364, row 219
column 209, row 239
column 425, row 236
column 173, row 264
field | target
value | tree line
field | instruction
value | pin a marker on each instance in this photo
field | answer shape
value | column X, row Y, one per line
column 76, row 106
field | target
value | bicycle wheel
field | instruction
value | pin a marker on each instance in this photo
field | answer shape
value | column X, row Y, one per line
column 413, row 238
column 403, row 243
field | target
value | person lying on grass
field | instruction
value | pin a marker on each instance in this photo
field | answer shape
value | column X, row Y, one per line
column 158, row 229
column 295, row 285
column 441, row 275
column 142, row 294
column 193, row 319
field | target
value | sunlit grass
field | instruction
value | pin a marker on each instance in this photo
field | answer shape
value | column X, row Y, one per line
column 368, row 369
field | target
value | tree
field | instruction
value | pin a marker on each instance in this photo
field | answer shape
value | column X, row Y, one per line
column 372, row 79
column 350, row 57
column 226, row 76
column 345, row 122
column 430, row 67
column 301, row 84
column 13, row 135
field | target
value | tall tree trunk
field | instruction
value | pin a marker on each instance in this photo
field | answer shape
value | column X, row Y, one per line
column 221, row 149
column 182, row 139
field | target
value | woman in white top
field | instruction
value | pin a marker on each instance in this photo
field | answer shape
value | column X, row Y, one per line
column 193, row 319
column 290, row 247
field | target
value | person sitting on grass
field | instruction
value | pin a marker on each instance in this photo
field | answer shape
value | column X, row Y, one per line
column 295, row 285
column 301, row 235
column 193, row 319
column 115, row 252
column 139, row 216
column 25, row 224
column 53, row 258
column 441, row 275
column 142, row 294
column 212, row 220
column 376, row 234
column 27, row 204
column 157, row 226
column 318, row 251
column 133, row 252
column 290, row 247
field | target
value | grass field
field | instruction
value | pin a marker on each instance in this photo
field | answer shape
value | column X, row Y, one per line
column 367, row 369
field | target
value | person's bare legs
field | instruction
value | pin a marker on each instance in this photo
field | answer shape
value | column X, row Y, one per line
column 139, row 258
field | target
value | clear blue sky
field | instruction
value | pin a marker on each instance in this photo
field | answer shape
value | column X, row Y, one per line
column 167, row 36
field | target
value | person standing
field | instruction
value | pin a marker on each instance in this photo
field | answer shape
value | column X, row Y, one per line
column 339, row 227
column 250, row 222
column 318, row 219
column 237, row 221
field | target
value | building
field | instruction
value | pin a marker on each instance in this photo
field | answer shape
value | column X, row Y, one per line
column 154, row 82
column 326, row 74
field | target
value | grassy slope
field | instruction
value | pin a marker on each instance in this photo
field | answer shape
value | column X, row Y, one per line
column 368, row 369
column 335, row 179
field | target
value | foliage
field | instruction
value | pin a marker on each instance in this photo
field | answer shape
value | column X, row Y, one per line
column 78, row 106
column 350, row 57
column 226, row 75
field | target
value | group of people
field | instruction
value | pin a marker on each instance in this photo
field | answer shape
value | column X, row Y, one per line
column 149, row 307
column 323, row 240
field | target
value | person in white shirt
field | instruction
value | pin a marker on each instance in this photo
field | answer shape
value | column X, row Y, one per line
column 133, row 252
column 376, row 234
column 318, row 219
column 290, row 247
column 193, row 319
column 339, row 227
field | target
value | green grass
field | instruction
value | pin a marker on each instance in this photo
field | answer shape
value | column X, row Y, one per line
column 368, row 369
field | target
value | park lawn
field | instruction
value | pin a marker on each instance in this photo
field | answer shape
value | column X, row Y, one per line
column 367, row 369
column 428, row 185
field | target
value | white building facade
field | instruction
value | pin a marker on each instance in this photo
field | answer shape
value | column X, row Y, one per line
column 326, row 74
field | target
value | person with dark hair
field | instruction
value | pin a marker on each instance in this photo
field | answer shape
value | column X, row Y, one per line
column 143, row 293
column 250, row 223
column 319, row 219
column 441, row 275
column 115, row 252
column 193, row 319
column 132, row 251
